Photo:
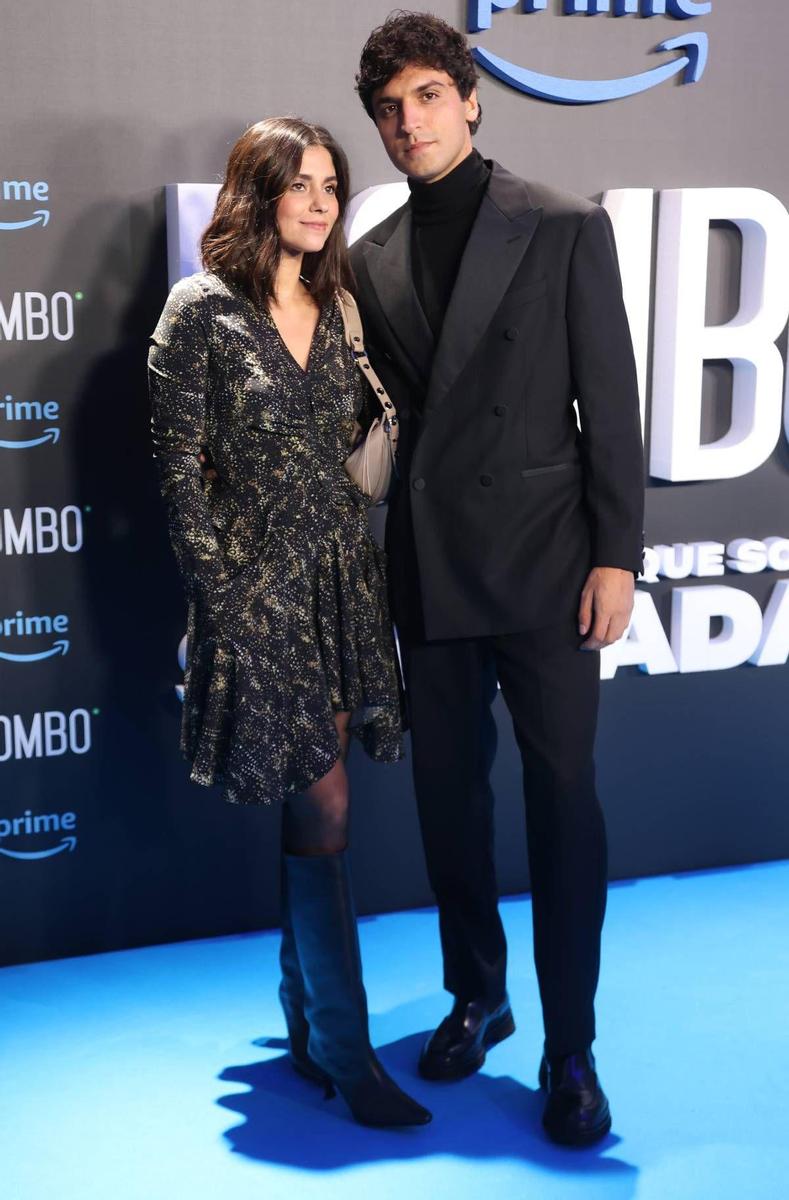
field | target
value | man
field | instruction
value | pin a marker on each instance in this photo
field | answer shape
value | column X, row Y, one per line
column 490, row 305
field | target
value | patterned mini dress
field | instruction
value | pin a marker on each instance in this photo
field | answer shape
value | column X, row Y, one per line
column 288, row 616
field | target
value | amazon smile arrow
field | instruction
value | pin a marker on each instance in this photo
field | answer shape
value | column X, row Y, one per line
column 42, row 215
column 59, row 647
column 595, row 91
column 68, row 843
column 50, row 435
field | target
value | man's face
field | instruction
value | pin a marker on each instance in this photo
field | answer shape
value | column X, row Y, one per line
column 423, row 122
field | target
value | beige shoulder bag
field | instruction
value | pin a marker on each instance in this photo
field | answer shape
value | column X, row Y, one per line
column 372, row 464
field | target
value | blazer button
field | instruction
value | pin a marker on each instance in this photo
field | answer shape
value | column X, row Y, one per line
column 419, row 485
column 500, row 410
column 510, row 334
column 486, row 480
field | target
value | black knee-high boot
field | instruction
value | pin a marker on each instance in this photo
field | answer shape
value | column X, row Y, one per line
column 291, row 994
column 335, row 1005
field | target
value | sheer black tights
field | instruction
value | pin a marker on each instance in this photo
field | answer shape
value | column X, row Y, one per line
column 316, row 822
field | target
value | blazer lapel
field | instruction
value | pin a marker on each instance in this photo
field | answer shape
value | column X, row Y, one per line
column 499, row 238
column 389, row 267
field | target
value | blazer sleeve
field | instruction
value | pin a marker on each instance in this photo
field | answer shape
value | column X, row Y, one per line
column 605, row 384
column 177, row 382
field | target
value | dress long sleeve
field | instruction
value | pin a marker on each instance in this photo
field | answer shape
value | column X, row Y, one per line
column 178, row 384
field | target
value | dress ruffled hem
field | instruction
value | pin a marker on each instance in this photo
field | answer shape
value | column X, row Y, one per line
column 344, row 657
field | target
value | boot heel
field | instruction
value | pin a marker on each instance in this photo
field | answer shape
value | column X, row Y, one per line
column 309, row 1072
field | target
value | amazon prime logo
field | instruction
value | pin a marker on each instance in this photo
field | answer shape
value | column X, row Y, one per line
column 689, row 63
column 21, row 831
column 26, row 411
column 14, row 629
column 16, row 191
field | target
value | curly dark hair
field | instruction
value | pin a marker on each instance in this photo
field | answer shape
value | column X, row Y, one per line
column 415, row 39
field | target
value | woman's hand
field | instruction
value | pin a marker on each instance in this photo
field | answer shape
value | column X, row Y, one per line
column 209, row 471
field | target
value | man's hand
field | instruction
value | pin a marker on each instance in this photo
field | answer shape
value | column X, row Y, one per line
column 606, row 605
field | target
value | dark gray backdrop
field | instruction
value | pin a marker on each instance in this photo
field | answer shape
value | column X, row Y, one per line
column 107, row 103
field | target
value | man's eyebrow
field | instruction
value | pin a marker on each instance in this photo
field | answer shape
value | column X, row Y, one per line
column 423, row 87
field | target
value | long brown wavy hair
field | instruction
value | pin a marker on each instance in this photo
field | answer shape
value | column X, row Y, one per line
column 241, row 243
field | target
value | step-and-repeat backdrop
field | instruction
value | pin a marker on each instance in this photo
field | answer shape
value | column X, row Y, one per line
column 118, row 120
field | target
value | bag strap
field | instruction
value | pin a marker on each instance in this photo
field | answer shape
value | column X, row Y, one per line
column 354, row 336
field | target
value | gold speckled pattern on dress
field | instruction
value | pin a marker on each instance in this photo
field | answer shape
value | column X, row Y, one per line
column 288, row 616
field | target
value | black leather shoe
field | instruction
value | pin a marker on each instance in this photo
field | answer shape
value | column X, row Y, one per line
column 576, row 1111
column 458, row 1047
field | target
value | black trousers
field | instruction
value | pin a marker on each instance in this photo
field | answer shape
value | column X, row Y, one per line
column 551, row 689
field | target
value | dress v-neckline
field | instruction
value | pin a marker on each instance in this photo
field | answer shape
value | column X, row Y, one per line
column 303, row 370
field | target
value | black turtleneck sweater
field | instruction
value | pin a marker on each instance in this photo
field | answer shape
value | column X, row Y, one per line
column 442, row 215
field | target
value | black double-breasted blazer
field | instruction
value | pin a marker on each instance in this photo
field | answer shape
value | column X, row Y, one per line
column 507, row 494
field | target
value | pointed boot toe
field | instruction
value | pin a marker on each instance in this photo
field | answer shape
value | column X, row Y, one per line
column 375, row 1099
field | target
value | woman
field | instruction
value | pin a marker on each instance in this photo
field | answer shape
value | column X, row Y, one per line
column 290, row 644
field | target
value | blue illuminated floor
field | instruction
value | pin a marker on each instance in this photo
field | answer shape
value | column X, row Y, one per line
column 138, row 1075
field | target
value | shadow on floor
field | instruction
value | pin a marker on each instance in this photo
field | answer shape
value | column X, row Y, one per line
column 287, row 1121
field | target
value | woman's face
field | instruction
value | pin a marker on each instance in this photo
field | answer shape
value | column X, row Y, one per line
column 309, row 208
